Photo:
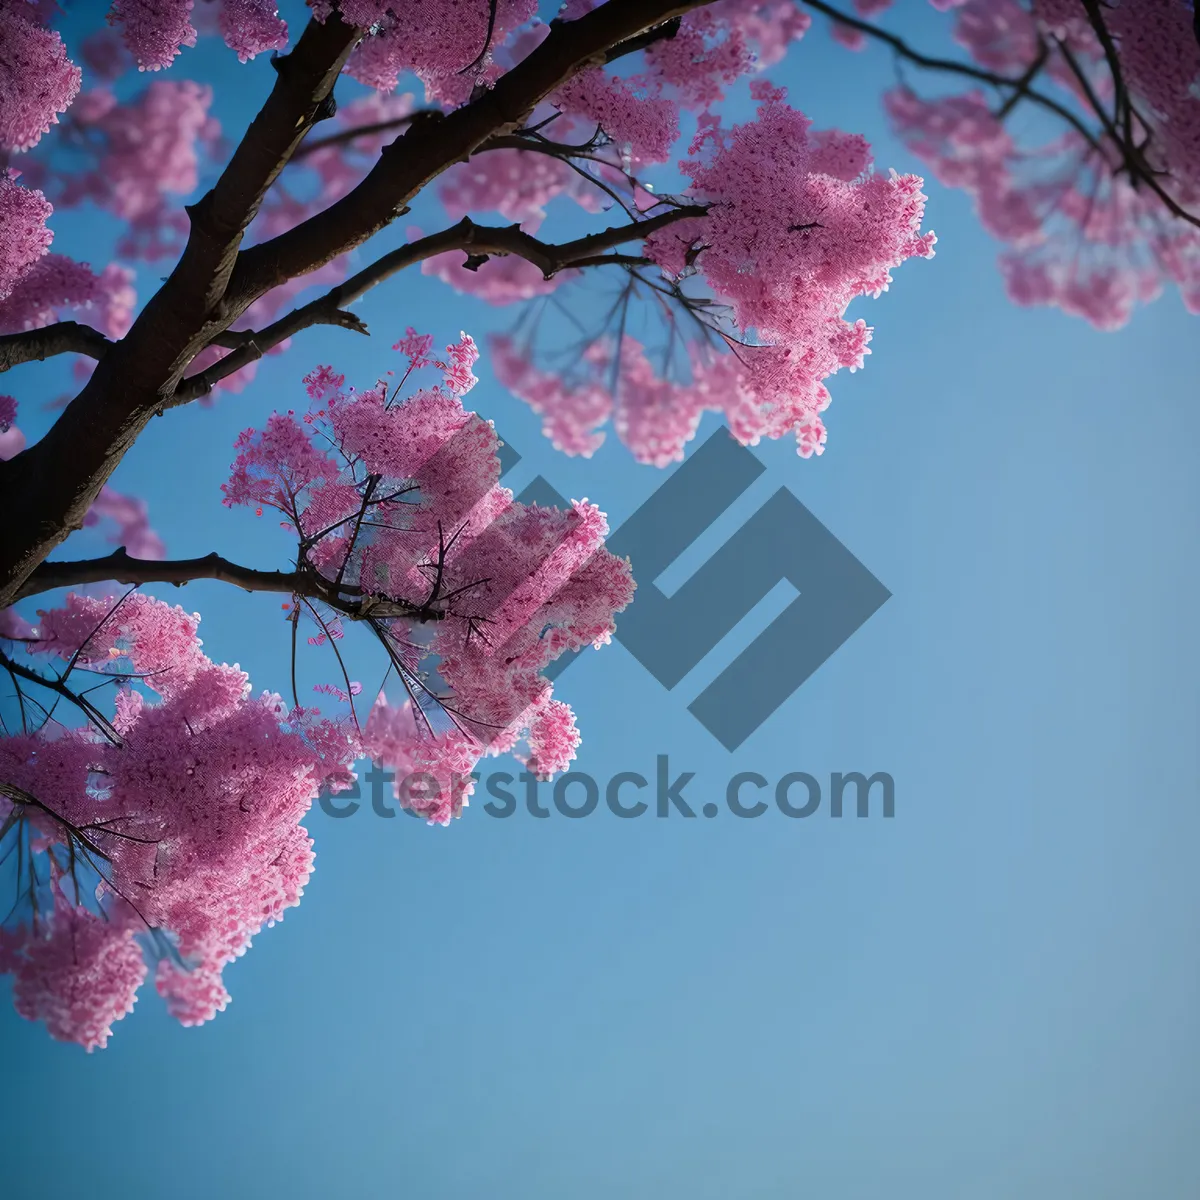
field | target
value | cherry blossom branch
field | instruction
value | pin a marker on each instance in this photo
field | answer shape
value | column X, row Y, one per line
column 953, row 67
column 430, row 146
column 119, row 567
column 1133, row 156
column 47, row 489
column 250, row 346
column 63, row 337
column 70, row 337
column 1021, row 86
column 479, row 241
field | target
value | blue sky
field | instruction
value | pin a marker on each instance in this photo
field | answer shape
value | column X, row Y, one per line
column 991, row 994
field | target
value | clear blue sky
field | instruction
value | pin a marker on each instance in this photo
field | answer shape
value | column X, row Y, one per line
column 992, row 994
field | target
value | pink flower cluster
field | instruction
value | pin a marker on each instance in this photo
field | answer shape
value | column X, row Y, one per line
column 145, row 154
column 37, row 287
column 1079, row 235
column 478, row 594
column 176, row 822
column 56, row 287
column 156, row 30
column 179, row 821
column 797, row 227
column 130, row 522
column 24, row 237
column 37, row 80
column 445, row 43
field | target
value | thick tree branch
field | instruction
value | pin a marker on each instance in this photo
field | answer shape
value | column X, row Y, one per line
column 120, row 567
column 429, row 146
column 70, row 337
column 46, row 491
column 63, row 337
column 348, row 599
column 479, row 241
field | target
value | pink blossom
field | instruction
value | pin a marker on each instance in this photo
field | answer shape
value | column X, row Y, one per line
column 132, row 522
column 437, row 40
column 56, row 286
column 80, row 974
column 37, row 80
column 640, row 123
column 1077, row 234
column 203, row 796
column 154, row 30
column 24, row 237
column 252, row 26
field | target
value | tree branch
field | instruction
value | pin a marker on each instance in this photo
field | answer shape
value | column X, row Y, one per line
column 430, row 146
column 119, row 567
column 343, row 136
column 47, row 489
column 63, row 337
column 660, row 33
column 479, row 240
column 953, row 67
column 1135, row 162
column 348, row 599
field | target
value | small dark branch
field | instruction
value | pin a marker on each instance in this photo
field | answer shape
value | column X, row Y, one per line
column 612, row 260
column 344, row 136
column 251, row 346
column 351, row 600
column 481, row 57
column 478, row 241
column 551, row 259
column 541, row 145
column 18, row 796
column 63, row 337
column 1122, row 109
column 1021, row 86
column 953, row 67
column 1134, row 161
column 59, row 687
column 331, row 641
column 805, row 228
column 369, row 491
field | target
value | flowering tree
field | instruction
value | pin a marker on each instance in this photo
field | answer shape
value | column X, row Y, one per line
column 159, row 826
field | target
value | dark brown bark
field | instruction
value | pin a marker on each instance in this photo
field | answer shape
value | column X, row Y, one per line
column 349, row 600
column 63, row 337
column 479, row 240
column 46, row 491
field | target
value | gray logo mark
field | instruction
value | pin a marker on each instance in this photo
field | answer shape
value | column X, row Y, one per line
column 781, row 541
